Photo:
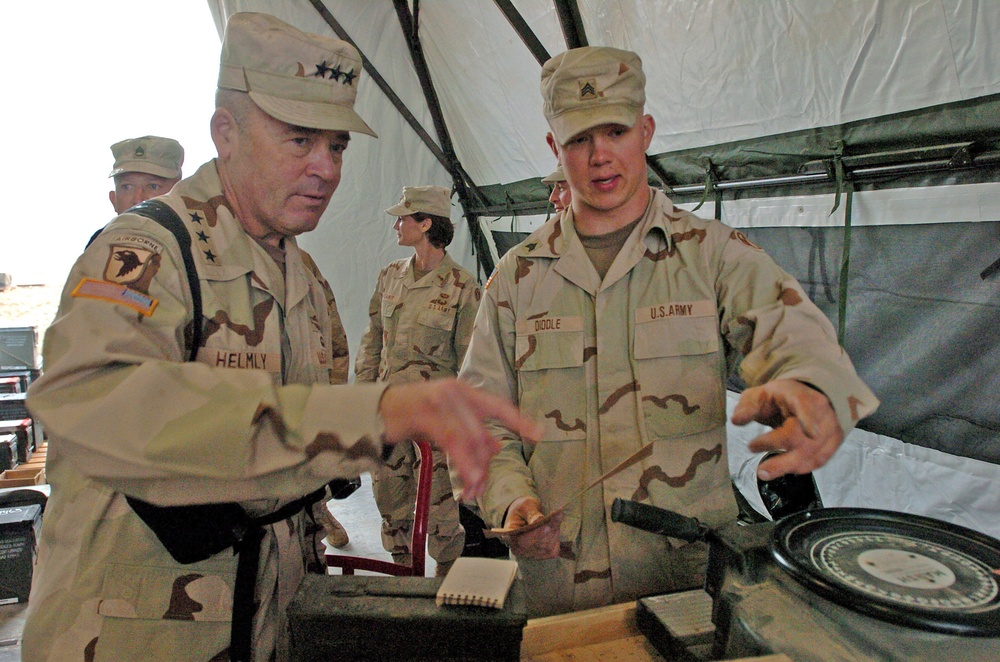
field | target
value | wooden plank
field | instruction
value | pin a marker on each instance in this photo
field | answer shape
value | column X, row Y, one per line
column 581, row 628
column 604, row 634
column 630, row 649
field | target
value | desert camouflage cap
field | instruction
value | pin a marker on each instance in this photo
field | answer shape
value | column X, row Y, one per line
column 435, row 200
column 297, row 77
column 556, row 175
column 586, row 87
column 154, row 155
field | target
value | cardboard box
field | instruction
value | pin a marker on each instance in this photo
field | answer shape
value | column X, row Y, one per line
column 19, row 530
column 19, row 347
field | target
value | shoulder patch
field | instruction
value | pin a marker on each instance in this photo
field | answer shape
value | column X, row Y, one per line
column 103, row 290
column 743, row 239
column 127, row 263
column 490, row 279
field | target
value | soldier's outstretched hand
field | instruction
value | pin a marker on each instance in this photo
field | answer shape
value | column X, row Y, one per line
column 804, row 426
column 450, row 414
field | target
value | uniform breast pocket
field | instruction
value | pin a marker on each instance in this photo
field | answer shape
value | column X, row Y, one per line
column 436, row 324
column 676, row 336
column 681, row 375
column 551, row 380
column 389, row 307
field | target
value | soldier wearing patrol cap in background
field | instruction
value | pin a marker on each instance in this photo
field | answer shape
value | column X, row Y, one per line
column 616, row 324
column 241, row 433
column 144, row 168
column 420, row 320
column 560, row 194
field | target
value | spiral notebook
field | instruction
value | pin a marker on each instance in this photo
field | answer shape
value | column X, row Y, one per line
column 480, row 582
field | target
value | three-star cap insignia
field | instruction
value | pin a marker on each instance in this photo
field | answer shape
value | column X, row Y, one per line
column 326, row 72
column 140, row 152
column 588, row 89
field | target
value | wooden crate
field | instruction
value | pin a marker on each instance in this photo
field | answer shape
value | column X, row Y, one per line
column 22, row 477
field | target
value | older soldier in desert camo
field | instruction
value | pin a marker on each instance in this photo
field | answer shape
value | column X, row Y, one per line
column 253, row 420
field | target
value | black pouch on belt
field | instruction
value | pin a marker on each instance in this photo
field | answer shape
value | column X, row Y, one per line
column 194, row 533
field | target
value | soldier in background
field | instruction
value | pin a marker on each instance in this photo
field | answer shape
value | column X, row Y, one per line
column 144, row 168
column 616, row 324
column 560, row 195
column 419, row 322
column 175, row 527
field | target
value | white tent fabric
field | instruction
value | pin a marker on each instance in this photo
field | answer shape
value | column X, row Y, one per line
column 718, row 71
column 875, row 471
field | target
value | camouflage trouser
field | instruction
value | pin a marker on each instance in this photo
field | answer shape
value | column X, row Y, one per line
column 395, row 487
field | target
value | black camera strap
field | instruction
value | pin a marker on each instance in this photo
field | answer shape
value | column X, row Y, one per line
column 163, row 214
column 248, row 549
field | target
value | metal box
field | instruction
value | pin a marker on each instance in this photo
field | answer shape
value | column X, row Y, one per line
column 19, row 348
column 361, row 617
column 19, row 529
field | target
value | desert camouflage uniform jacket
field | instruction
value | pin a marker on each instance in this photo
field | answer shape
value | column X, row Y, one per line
column 418, row 330
column 254, row 420
column 640, row 358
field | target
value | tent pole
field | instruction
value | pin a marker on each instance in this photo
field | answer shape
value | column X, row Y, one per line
column 571, row 23
column 464, row 186
column 523, row 30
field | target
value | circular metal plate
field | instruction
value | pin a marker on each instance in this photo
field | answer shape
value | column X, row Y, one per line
column 905, row 569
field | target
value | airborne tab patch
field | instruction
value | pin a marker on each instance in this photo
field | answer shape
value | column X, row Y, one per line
column 103, row 290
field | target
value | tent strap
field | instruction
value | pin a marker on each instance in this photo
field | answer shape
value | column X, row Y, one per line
column 845, row 266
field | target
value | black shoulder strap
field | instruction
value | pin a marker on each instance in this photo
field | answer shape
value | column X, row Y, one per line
column 162, row 213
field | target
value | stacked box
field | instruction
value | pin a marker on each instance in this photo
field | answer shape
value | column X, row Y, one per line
column 25, row 431
column 19, row 530
column 8, row 451
column 23, row 376
column 13, row 407
column 19, row 348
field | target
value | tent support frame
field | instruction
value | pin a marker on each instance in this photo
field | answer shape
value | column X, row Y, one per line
column 464, row 186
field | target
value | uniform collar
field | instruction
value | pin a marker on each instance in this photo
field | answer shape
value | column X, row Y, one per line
column 435, row 277
column 555, row 238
